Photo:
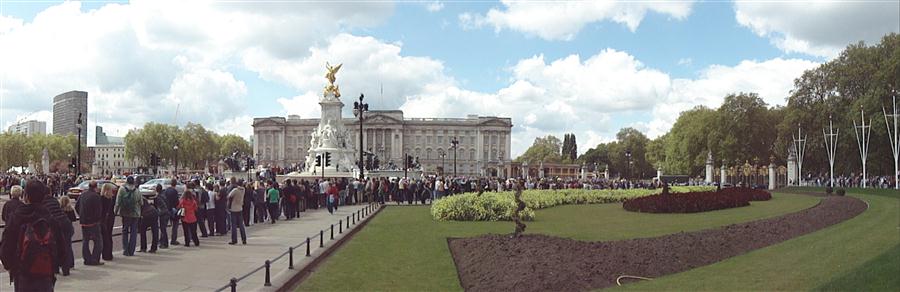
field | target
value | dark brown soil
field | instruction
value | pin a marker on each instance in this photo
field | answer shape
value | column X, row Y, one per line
column 545, row 263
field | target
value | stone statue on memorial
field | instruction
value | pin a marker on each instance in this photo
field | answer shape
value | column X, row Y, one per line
column 330, row 75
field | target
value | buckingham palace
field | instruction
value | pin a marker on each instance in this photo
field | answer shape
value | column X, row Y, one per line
column 483, row 149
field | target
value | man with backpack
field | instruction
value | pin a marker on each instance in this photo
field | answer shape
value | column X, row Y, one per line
column 32, row 249
column 128, row 205
column 65, row 227
column 202, row 214
column 149, row 219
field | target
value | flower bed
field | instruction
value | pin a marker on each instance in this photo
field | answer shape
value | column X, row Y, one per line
column 500, row 206
column 694, row 202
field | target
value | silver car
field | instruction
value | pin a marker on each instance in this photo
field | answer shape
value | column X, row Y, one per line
column 148, row 189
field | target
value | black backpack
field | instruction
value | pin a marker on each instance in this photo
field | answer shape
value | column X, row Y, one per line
column 37, row 254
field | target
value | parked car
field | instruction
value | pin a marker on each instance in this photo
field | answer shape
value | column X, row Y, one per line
column 140, row 179
column 75, row 192
column 147, row 188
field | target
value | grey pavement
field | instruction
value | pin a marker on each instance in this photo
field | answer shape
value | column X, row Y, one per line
column 214, row 262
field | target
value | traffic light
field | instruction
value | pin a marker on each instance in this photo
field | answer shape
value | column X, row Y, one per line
column 327, row 158
column 72, row 165
column 318, row 160
column 154, row 160
column 409, row 161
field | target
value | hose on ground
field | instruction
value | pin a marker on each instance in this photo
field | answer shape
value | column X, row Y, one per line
column 630, row 277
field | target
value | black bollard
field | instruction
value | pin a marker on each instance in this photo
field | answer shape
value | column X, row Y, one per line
column 268, row 281
column 233, row 284
column 307, row 246
column 348, row 222
column 340, row 226
column 290, row 258
column 332, row 231
column 321, row 238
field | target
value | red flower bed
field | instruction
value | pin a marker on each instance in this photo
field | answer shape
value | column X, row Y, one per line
column 694, row 202
column 751, row 194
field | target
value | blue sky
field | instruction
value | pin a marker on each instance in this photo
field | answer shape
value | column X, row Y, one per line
column 588, row 68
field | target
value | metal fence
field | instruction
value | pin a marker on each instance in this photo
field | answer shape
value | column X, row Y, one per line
column 353, row 219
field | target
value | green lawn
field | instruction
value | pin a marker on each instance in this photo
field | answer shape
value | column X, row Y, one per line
column 403, row 249
column 857, row 255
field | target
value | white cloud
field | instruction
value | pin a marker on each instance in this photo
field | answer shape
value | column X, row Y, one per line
column 685, row 61
column 819, row 28
column 771, row 79
column 139, row 61
column 563, row 20
column 434, row 6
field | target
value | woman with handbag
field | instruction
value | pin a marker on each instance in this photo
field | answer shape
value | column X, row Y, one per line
column 187, row 210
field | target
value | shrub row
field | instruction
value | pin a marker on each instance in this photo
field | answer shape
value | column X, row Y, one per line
column 500, row 206
column 693, row 202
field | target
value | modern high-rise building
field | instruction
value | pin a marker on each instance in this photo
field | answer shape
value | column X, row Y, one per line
column 100, row 138
column 66, row 108
column 29, row 128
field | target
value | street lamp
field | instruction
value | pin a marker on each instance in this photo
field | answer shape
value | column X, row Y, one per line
column 176, row 161
column 358, row 109
column 627, row 166
column 442, row 154
column 453, row 144
column 78, row 124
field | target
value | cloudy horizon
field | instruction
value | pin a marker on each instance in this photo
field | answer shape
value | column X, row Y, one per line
column 588, row 68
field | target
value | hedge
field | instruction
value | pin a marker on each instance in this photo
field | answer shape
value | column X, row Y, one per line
column 499, row 206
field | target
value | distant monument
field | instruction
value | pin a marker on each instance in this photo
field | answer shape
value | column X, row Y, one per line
column 330, row 138
column 45, row 161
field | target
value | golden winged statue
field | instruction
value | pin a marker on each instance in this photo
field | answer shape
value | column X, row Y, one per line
column 330, row 75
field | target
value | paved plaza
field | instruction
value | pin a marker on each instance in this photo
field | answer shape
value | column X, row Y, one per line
column 213, row 263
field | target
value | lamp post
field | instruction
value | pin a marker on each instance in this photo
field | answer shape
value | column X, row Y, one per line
column 359, row 108
column 628, row 165
column 453, row 144
column 442, row 154
column 78, row 124
column 176, row 161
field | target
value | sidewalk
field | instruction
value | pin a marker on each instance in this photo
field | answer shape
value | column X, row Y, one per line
column 211, row 265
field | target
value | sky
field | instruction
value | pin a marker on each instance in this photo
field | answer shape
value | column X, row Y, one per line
column 554, row 67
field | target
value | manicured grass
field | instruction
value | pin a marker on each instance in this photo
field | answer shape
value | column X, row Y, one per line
column 403, row 249
column 836, row 257
column 879, row 274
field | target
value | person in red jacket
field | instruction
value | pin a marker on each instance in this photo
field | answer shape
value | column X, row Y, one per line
column 331, row 197
column 189, row 203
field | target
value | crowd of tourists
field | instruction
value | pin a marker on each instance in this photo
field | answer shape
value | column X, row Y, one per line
column 849, row 181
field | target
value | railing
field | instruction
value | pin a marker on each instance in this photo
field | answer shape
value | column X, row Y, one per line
column 355, row 218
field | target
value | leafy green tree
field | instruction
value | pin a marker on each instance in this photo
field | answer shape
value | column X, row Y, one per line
column 633, row 142
column 546, row 149
column 229, row 144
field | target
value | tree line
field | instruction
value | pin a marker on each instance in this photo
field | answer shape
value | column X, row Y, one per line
column 745, row 129
column 197, row 146
column 17, row 149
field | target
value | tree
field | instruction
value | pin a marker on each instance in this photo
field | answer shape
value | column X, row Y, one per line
column 859, row 79
column 546, row 149
column 692, row 136
column 229, row 144
column 598, row 155
column 632, row 141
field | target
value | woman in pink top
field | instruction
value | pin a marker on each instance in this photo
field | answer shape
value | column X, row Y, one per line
column 189, row 203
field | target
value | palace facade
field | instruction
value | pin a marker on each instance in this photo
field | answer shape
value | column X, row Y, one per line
column 483, row 149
